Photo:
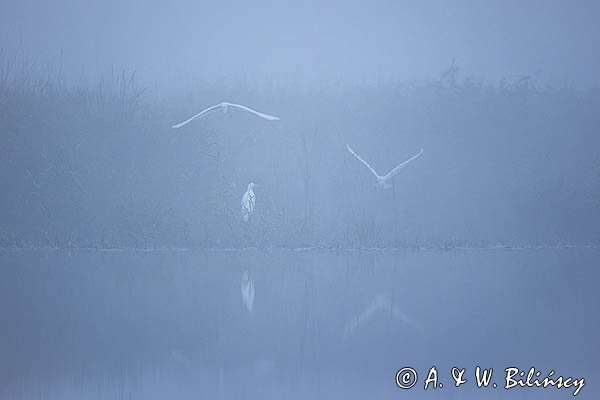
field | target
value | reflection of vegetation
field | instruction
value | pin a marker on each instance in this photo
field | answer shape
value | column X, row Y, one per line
column 101, row 165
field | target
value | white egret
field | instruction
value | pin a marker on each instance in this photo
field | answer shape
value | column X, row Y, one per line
column 247, row 289
column 248, row 202
column 224, row 107
column 382, row 181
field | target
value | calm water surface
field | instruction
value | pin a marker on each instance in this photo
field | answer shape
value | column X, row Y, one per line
column 156, row 325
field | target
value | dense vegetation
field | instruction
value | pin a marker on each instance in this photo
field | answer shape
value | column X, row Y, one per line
column 101, row 166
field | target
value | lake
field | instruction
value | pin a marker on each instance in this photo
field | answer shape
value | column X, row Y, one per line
column 89, row 324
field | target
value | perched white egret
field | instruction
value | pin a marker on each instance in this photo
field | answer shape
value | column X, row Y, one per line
column 382, row 303
column 382, row 181
column 224, row 107
column 248, row 201
column 247, row 289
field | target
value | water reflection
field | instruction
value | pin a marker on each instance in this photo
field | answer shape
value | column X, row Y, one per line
column 381, row 304
column 326, row 325
column 247, row 289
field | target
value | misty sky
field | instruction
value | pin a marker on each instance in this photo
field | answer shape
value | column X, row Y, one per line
column 308, row 41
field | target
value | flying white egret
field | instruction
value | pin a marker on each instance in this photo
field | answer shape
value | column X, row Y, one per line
column 382, row 181
column 248, row 201
column 247, row 289
column 224, row 106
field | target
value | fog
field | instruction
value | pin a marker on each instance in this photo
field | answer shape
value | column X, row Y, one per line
column 173, row 45
column 133, row 264
column 507, row 164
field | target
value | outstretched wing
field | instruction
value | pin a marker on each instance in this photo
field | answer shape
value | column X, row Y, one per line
column 200, row 114
column 363, row 161
column 265, row 116
column 399, row 167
